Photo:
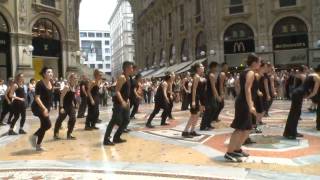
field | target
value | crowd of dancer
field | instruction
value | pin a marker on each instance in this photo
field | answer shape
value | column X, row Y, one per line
column 202, row 91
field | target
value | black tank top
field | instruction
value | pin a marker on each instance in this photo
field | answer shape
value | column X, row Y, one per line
column 255, row 88
column 298, row 82
column 124, row 91
column 69, row 99
column 243, row 79
column 95, row 91
column 20, row 92
column 218, row 84
column 201, row 91
column 308, row 84
column 209, row 88
column 159, row 96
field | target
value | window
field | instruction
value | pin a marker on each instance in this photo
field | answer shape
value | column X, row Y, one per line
column 181, row 17
column 83, row 34
column 107, row 58
column 284, row 3
column 107, row 43
column 108, row 66
column 107, row 35
column 92, row 66
column 236, row 6
column 107, row 50
column 93, row 47
column 100, row 66
column 198, row 10
column 45, row 28
column 98, row 34
column 51, row 3
column 91, row 34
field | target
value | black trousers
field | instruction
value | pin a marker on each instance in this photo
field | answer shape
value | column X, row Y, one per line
column 71, row 112
column 269, row 104
column 93, row 112
column 186, row 101
column 120, row 116
column 56, row 100
column 295, row 113
column 135, row 106
column 217, row 113
column 18, row 108
column 170, row 109
column 82, row 107
column 157, row 107
column 6, row 108
column 318, row 115
column 45, row 124
column 210, row 110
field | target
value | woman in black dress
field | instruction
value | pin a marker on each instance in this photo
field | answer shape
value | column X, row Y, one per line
column 244, row 111
column 6, row 104
column 308, row 89
column 162, row 100
column 41, row 106
column 18, row 104
column 198, row 93
column 67, row 108
column 93, row 101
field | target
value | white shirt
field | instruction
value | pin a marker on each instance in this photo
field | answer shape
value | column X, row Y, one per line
column 3, row 89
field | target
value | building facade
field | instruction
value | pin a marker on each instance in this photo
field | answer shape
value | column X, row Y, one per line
column 121, row 27
column 284, row 32
column 96, row 49
column 34, row 33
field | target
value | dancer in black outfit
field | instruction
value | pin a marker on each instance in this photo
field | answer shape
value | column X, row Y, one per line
column 309, row 89
column 162, row 100
column 220, row 85
column 262, row 98
column 121, row 106
column 67, row 108
column 18, row 104
column 93, row 102
column 198, row 100
column 186, row 92
column 83, row 94
column 135, row 96
column 212, row 99
column 56, row 93
column 244, row 111
column 41, row 106
column 272, row 91
column 6, row 104
column 171, row 96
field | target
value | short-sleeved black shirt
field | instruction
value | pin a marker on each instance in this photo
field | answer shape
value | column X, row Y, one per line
column 83, row 83
column 45, row 95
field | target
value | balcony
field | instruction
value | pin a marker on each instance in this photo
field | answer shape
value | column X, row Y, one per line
column 237, row 10
column 47, row 6
column 280, row 7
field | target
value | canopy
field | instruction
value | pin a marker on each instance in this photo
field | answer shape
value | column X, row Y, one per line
column 156, row 72
column 187, row 68
column 146, row 72
column 174, row 68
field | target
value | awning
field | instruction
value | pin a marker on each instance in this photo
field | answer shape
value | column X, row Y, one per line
column 187, row 68
column 146, row 72
column 174, row 68
column 155, row 73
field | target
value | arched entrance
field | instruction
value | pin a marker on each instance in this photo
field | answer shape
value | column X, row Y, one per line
column 5, row 53
column 238, row 42
column 290, row 42
column 46, row 41
column 200, row 45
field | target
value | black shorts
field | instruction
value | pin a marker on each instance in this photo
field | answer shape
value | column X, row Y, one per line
column 242, row 117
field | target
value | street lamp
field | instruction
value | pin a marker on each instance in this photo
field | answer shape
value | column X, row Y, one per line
column 212, row 52
column 202, row 53
column 262, row 48
column 184, row 58
column 28, row 50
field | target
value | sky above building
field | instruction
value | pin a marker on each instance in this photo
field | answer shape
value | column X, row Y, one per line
column 95, row 14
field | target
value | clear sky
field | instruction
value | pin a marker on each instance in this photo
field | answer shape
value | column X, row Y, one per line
column 95, row 14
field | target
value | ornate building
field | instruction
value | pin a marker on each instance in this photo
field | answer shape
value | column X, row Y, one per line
column 284, row 32
column 34, row 33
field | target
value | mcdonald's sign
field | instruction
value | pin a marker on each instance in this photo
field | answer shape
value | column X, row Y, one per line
column 243, row 46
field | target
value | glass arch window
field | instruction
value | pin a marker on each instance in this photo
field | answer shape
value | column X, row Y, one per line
column 238, row 31
column 45, row 28
column 289, row 26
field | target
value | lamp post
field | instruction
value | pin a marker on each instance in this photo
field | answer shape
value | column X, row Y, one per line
column 184, row 59
column 27, row 51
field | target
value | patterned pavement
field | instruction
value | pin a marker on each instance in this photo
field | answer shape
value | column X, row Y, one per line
column 161, row 153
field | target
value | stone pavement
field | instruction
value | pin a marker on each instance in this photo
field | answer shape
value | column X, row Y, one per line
column 161, row 153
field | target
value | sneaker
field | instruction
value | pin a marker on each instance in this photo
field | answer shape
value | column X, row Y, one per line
column 186, row 135
column 149, row 126
column 107, row 142
column 194, row 134
column 21, row 131
column 70, row 137
column 33, row 140
column 39, row 148
column 12, row 133
column 119, row 141
column 232, row 157
column 241, row 153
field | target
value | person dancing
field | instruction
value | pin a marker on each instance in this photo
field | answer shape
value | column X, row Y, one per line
column 6, row 104
column 244, row 111
column 67, row 108
column 18, row 104
column 212, row 99
column 186, row 84
column 41, row 106
column 121, row 106
column 93, row 102
column 162, row 100
column 308, row 89
column 83, row 94
column 198, row 100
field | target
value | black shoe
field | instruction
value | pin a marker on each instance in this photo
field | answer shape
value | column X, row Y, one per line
column 299, row 135
column 186, row 135
column 12, row 133
column 232, row 157
column 133, row 117
column 108, row 143
column 241, row 153
column 87, row 128
column 165, row 124
column 70, row 137
column 56, row 137
column 21, row 131
column 9, row 122
column 290, row 137
column 94, row 128
column 119, row 141
column 249, row 141
column 149, row 126
column 99, row 121
column 194, row 134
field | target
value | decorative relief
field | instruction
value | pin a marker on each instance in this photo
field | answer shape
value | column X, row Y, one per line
column 71, row 19
column 23, row 14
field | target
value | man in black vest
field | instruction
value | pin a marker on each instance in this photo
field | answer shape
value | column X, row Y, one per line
column 83, row 94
